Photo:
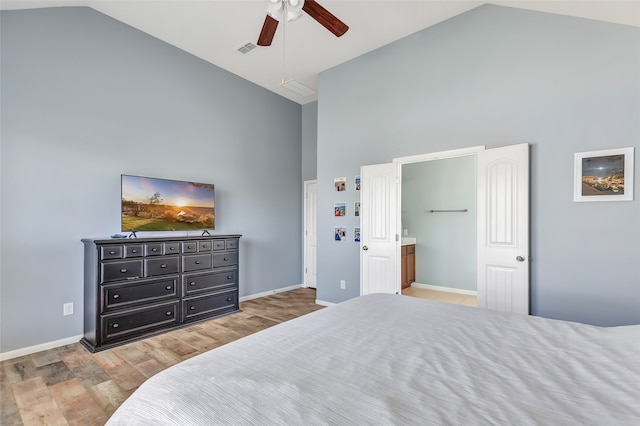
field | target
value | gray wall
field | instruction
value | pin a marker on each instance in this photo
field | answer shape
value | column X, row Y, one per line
column 498, row 76
column 446, row 241
column 310, row 141
column 86, row 98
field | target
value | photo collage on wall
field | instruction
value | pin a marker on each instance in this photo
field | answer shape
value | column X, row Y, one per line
column 340, row 208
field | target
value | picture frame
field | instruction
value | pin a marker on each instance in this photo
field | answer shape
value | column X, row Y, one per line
column 605, row 175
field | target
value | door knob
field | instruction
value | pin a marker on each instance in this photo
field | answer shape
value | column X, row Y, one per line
column 520, row 258
column 365, row 248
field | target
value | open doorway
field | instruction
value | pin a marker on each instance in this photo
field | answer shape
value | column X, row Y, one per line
column 438, row 222
column 502, row 233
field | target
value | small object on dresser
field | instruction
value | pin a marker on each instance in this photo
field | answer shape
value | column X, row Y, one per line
column 118, row 236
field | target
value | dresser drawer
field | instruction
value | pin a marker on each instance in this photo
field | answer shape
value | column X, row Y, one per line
column 204, row 246
column 116, row 271
column 196, row 262
column 171, row 248
column 129, row 294
column 161, row 265
column 133, row 250
column 136, row 321
column 154, row 249
column 218, row 245
column 193, row 284
column 205, row 306
column 225, row 259
column 189, row 247
column 110, row 252
column 231, row 244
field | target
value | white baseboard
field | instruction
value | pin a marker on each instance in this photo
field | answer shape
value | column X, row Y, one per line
column 270, row 292
column 323, row 303
column 447, row 289
column 37, row 348
column 74, row 339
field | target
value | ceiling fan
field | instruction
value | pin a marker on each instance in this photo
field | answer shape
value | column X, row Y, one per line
column 292, row 9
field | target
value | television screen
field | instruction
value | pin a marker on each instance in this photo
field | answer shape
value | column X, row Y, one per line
column 152, row 204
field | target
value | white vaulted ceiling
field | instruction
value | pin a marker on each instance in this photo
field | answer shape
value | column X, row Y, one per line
column 213, row 30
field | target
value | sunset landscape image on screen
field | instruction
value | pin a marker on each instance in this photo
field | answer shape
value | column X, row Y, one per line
column 152, row 204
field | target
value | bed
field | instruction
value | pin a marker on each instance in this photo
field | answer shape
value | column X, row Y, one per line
column 388, row 359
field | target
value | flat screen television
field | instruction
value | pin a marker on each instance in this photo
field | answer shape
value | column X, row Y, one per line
column 153, row 204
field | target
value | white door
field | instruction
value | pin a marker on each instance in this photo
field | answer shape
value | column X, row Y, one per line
column 503, row 229
column 379, row 250
column 310, row 233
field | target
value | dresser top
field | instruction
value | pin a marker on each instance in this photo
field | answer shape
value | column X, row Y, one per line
column 157, row 239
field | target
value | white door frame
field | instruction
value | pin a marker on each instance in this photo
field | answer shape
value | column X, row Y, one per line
column 309, row 215
column 463, row 152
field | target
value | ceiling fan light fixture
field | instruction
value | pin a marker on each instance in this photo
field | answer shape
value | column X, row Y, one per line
column 294, row 9
column 277, row 8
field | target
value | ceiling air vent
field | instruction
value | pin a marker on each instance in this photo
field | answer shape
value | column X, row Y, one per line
column 246, row 47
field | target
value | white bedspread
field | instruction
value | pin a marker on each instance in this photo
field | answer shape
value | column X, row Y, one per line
column 396, row 360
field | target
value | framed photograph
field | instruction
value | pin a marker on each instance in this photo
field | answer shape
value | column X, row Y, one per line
column 340, row 234
column 340, row 209
column 605, row 175
column 340, row 184
column 356, row 235
column 357, row 181
column 356, row 208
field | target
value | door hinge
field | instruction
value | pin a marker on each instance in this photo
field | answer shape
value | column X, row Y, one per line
column 397, row 237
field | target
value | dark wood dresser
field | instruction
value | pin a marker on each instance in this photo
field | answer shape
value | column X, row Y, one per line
column 134, row 288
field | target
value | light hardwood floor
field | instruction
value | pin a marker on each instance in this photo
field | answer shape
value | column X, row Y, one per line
column 69, row 385
column 441, row 296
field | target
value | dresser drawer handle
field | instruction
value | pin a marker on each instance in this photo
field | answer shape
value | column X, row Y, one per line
column 192, row 283
column 197, row 262
column 229, row 299
column 115, row 325
column 169, row 287
column 172, row 248
column 163, row 266
column 123, row 270
column 134, row 251
column 189, row 247
column 229, row 277
column 116, row 296
column 169, row 313
column 112, row 252
column 154, row 249
column 192, row 308
column 226, row 259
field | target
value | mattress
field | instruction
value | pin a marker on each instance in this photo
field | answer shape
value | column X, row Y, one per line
column 395, row 360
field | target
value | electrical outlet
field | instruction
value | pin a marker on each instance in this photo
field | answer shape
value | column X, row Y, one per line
column 405, row 232
column 67, row 309
column 343, row 284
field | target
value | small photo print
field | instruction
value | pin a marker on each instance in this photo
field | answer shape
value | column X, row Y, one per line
column 340, row 184
column 358, row 183
column 356, row 235
column 357, row 208
column 340, row 209
column 341, row 234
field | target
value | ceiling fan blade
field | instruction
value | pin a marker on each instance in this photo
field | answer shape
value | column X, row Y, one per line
column 268, row 31
column 325, row 18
